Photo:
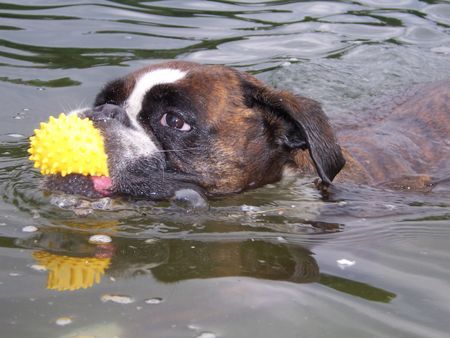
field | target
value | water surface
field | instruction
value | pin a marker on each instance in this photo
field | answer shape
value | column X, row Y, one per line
column 279, row 261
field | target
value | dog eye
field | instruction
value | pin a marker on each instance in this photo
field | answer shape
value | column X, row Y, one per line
column 172, row 120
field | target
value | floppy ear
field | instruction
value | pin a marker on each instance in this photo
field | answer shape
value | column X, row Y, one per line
column 297, row 123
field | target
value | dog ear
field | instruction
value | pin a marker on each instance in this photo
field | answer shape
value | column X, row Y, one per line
column 297, row 123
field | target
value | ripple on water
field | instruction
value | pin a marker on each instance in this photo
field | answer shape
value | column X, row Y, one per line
column 288, row 210
column 342, row 53
column 392, row 69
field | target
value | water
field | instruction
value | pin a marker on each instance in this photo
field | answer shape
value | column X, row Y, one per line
column 275, row 262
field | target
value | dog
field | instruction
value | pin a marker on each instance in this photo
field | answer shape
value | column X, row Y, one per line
column 219, row 131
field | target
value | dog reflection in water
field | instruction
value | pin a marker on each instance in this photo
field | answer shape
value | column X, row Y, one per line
column 74, row 263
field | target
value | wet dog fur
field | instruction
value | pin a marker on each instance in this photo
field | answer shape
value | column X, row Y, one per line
column 216, row 130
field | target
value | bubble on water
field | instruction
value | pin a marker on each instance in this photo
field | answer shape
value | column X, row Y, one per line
column 64, row 202
column 102, row 204
column 207, row 334
column 82, row 212
column 63, row 321
column 154, row 300
column 38, row 267
column 100, row 239
column 281, row 239
column 345, row 263
column 119, row 299
column 249, row 208
column 202, row 334
column 193, row 327
column 441, row 50
column 35, row 214
column 13, row 135
column 198, row 226
column 110, row 330
column 30, row 228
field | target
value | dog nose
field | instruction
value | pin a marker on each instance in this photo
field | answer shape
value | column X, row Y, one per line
column 107, row 112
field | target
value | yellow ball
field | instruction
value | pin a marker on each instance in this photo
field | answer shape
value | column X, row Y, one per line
column 68, row 145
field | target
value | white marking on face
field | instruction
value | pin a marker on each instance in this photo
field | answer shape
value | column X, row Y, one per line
column 136, row 142
column 165, row 75
column 132, row 143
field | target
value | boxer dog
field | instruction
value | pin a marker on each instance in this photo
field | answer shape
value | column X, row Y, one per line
column 216, row 130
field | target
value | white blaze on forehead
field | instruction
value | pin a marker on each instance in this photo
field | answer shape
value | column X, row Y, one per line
column 155, row 77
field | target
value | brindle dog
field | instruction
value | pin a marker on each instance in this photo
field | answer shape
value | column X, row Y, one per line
column 219, row 131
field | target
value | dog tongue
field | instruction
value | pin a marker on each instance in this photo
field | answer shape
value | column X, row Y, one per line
column 102, row 184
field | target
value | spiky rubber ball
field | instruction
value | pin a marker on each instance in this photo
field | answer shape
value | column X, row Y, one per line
column 68, row 145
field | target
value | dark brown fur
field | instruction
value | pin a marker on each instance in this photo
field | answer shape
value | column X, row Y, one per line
column 245, row 134
column 407, row 147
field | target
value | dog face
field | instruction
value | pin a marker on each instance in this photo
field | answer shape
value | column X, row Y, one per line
column 213, row 129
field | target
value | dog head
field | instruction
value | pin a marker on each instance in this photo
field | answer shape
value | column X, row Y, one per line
column 213, row 129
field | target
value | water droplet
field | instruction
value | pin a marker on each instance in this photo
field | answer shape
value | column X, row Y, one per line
column 65, row 202
column 16, row 135
column 249, row 208
column 281, row 239
column 30, row 228
column 155, row 300
column 344, row 263
column 119, row 299
column 198, row 226
column 38, row 267
column 441, row 50
column 63, row 321
column 207, row 335
column 100, row 239
column 35, row 214
column 102, row 204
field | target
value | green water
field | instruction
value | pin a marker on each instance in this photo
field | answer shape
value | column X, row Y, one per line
column 261, row 264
